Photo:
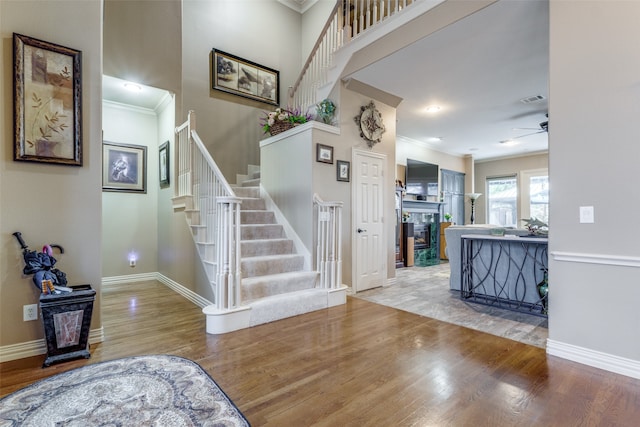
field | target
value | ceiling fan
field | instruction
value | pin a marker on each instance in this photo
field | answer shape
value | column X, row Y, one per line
column 543, row 127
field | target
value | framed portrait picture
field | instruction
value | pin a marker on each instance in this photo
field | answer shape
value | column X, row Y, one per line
column 241, row 77
column 324, row 153
column 47, row 102
column 343, row 170
column 163, row 164
column 124, row 167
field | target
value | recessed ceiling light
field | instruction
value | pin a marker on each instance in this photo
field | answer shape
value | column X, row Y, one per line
column 433, row 109
column 133, row 87
column 509, row 142
column 435, row 139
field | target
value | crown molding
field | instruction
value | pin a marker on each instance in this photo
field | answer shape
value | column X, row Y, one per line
column 300, row 6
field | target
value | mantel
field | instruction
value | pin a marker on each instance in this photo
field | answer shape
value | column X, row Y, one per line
column 421, row 206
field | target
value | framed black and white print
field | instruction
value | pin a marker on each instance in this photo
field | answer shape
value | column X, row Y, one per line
column 163, row 164
column 343, row 170
column 324, row 153
column 238, row 76
column 124, row 167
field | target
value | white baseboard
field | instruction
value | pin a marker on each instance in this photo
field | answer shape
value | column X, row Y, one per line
column 38, row 347
column 177, row 287
column 129, row 278
column 597, row 359
column 198, row 300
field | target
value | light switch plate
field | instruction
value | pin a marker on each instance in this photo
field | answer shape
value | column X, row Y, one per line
column 586, row 215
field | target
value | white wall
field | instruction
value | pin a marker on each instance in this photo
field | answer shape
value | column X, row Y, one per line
column 50, row 203
column 593, row 159
column 129, row 220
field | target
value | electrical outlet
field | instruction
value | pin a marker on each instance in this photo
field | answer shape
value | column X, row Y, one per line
column 30, row 312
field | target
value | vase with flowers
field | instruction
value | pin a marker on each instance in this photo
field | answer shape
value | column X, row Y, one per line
column 280, row 120
column 325, row 111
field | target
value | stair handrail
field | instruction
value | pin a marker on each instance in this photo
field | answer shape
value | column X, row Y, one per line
column 218, row 207
column 319, row 58
column 329, row 244
column 341, row 27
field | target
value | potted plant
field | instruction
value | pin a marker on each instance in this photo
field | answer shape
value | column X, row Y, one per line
column 325, row 111
column 536, row 227
column 280, row 120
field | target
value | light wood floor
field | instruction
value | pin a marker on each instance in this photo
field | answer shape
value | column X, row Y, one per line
column 361, row 364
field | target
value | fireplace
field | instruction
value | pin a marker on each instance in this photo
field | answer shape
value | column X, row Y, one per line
column 422, row 236
column 425, row 219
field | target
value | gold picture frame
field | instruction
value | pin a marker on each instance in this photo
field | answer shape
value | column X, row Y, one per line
column 47, row 102
column 232, row 74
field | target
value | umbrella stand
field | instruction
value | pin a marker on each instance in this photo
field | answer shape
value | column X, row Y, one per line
column 66, row 311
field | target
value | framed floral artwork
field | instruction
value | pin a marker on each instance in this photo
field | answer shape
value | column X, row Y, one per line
column 124, row 167
column 238, row 76
column 47, row 102
column 343, row 170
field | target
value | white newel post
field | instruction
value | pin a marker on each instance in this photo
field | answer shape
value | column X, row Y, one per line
column 228, row 253
column 329, row 246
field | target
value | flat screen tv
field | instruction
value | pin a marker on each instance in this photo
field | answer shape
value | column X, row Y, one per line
column 421, row 178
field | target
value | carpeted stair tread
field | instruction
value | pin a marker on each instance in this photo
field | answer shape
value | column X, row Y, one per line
column 260, row 247
column 252, row 204
column 263, row 286
column 271, row 264
column 281, row 306
column 247, row 192
column 257, row 217
column 261, row 231
column 251, row 182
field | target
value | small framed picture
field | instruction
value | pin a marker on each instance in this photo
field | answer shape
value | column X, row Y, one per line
column 163, row 164
column 124, row 167
column 324, row 153
column 343, row 170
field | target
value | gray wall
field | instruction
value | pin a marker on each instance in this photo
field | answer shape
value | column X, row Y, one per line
column 264, row 32
column 50, row 203
column 593, row 158
column 142, row 42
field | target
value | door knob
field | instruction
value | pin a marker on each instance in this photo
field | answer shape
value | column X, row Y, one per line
column 360, row 230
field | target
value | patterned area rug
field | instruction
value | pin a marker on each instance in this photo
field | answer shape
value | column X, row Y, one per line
column 153, row 390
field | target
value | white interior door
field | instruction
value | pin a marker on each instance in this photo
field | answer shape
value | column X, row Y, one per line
column 368, row 227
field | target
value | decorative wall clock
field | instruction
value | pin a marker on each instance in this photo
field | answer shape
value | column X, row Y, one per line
column 370, row 123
